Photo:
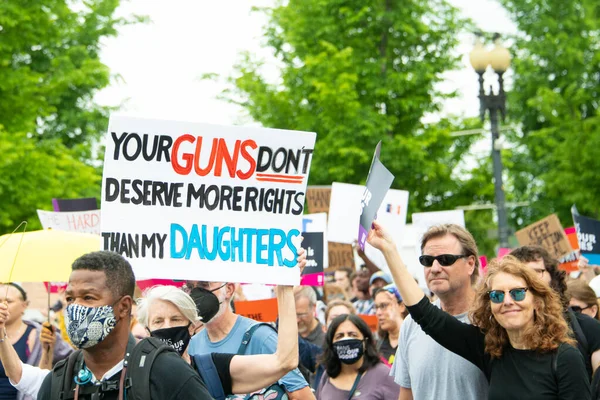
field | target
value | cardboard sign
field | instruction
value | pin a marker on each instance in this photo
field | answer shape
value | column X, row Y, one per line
column 371, row 320
column 192, row 201
column 547, row 233
column 379, row 182
column 344, row 212
column 69, row 205
column 340, row 255
column 258, row 310
column 317, row 199
column 588, row 236
column 76, row 221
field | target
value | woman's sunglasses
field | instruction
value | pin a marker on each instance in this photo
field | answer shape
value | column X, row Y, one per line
column 517, row 294
column 445, row 260
column 578, row 309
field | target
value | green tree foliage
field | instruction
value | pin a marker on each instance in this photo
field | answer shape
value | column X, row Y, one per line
column 49, row 72
column 50, row 67
column 555, row 100
column 358, row 72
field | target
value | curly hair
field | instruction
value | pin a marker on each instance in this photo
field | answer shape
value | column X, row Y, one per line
column 558, row 277
column 330, row 359
column 549, row 329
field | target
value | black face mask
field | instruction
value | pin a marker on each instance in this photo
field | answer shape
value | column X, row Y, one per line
column 177, row 337
column 207, row 303
column 349, row 351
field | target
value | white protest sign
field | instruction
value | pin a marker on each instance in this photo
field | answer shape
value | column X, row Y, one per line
column 184, row 200
column 72, row 221
column 425, row 220
column 317, row 223
column 345, row 209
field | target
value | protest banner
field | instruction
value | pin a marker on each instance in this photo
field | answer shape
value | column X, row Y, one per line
column 425, row 220
column 587, row 231
column 345, row 209
column 192, row 201
column 371, row 320
column 339, row 255
column 69, row 205
column 258, row 310
column 547, row 233
column 314, row 228
column 76, row 221
column 317, row 199
column 379, row 182
column 148, row 283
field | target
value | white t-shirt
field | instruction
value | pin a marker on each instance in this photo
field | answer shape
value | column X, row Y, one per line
column 31, row 380
column 431, row 371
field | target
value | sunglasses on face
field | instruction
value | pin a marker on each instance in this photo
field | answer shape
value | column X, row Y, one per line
column 445, row 260
column 517, row 294
column 578, row 309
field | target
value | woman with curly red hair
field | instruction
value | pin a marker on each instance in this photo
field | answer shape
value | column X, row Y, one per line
column 519, row 338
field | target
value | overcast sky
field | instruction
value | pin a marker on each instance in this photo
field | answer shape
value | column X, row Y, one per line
column 160, row 63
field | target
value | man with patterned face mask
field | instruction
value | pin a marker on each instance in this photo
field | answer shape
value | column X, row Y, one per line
column 98, row 316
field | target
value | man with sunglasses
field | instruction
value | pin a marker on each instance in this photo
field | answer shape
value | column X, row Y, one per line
column 586, row 329
column 422, row 367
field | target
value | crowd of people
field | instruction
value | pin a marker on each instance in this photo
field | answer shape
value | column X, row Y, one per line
column 523, row 329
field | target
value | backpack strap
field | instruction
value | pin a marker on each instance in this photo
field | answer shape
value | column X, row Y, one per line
column 62, row 376
column 139, row 361
column 205, row 365
column 248, row 336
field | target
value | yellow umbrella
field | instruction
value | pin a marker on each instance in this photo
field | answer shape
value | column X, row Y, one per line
column 44, row 256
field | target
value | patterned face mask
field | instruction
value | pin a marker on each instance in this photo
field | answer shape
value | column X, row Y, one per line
column 88, row 326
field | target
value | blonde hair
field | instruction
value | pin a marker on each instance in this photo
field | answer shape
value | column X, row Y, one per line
column 174, row 295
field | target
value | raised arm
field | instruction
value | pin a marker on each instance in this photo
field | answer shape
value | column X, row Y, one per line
column 463, row 339
column 8, row 355
column 254, row 372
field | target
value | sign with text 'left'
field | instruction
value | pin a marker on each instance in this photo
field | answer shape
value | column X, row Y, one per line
column 184, row 200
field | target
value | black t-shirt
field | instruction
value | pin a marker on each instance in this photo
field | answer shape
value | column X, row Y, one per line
column 171, row 378
column 517, row 374
column 386, row 350
column 591, row 330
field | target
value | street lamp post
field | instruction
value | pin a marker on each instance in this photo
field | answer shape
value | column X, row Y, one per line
column 499, row 59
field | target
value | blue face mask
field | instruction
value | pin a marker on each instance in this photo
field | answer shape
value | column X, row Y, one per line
column 88, row 326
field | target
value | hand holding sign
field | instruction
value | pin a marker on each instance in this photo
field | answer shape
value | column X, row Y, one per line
column 378, row 183
column 380, row 238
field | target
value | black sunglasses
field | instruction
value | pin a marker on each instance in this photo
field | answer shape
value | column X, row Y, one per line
column 517, row 294
column 578, row 309
column 445, row 260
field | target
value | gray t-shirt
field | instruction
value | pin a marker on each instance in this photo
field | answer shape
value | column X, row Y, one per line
column 431, row 371
column 375, row 384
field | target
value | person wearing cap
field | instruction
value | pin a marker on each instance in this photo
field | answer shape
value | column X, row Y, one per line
column 378, row 280
column 390, row 312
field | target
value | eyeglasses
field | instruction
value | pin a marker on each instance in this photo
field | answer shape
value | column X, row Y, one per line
column 382, row 306
column 578, row 309
column 517, row 294
column 445, row 260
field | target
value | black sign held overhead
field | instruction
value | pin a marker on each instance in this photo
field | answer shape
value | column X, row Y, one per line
column 379, row 182
column 588, row 236
column 313, row 272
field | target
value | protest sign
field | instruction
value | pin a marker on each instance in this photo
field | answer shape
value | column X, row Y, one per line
column 588, row 236
column 258, row 310
column 339, row 255
column 547, row 233
column 425, row 220
column 344, row 212
column 55, row 287
column 317, row 199
column 502, row 251
column 379, row 182
column 570, row 262
column 483, row 263
column 371, row 320
column 76, row 221
column 68, row 205
column 314, row 271
column 192, row 201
